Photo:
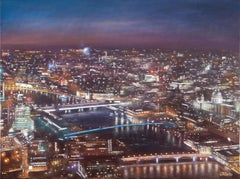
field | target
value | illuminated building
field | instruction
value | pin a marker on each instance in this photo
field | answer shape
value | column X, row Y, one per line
column 23, row 119
column 38, row 155
column 2, row 94
column 237, row 104
column 1, row 97
column 10, row 155
column 217, row 105
column 217, row 97
column 151, row 78
column 109, row 145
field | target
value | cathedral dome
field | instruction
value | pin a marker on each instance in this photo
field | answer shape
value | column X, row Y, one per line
column 217, row 97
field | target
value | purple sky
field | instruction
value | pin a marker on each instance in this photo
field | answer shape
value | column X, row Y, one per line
column 199, row 24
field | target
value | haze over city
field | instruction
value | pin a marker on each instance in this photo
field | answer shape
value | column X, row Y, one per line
column 200, row 24
column 119, row 89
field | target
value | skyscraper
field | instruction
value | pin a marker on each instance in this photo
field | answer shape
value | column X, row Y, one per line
column 23, row 119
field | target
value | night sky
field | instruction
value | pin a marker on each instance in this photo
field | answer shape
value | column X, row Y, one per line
column 201, row 24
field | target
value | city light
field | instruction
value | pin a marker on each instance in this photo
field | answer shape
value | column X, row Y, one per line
column 133, row 89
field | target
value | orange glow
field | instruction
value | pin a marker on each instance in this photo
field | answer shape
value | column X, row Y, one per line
column 3, row 154
column 6, row 160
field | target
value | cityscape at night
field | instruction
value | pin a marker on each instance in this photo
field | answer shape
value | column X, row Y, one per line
column 138, row 89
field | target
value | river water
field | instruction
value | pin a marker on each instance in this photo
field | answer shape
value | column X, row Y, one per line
column 138, row 139
column 145, row 140
column 198, row 170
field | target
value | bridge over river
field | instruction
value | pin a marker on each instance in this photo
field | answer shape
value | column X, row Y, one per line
column 53, row 121
column 75, row 134
column 167, row 156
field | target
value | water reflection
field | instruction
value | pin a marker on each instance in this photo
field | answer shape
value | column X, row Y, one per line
column 172, row 170
column 139, row 139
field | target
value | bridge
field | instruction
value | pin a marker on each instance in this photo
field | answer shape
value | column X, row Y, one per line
column 167, row 156
column 30, row 88
column 49, row 118
column 227, row 147
column 49, row 115
column 79, row 107
column 41, row 90
column 75, row 134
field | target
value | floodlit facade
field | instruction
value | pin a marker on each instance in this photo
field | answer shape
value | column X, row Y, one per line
column 23, row 119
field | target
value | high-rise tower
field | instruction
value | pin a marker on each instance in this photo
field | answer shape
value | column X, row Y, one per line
column 2, row 96
column 2, row 93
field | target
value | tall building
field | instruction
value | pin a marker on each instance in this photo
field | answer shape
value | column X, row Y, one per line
column 2, row 97
column 2, row 93
column 23, row 119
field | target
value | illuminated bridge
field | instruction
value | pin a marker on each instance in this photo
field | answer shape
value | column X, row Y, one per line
column 172, row 156
column 75, row 134
column 52, row 120
column 79, row 107
column 41, row 90
column 228, row 147
column 29, row 88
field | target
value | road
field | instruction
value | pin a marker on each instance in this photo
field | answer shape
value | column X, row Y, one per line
column 25, row 165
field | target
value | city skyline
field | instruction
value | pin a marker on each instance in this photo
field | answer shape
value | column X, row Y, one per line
column 119, row 89
column 125, row 24
column 126, row 113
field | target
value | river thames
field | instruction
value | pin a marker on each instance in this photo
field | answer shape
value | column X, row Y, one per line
column 172, row 170
column 140, row 140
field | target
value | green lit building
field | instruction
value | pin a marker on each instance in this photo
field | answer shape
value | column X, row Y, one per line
column 23, row 119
